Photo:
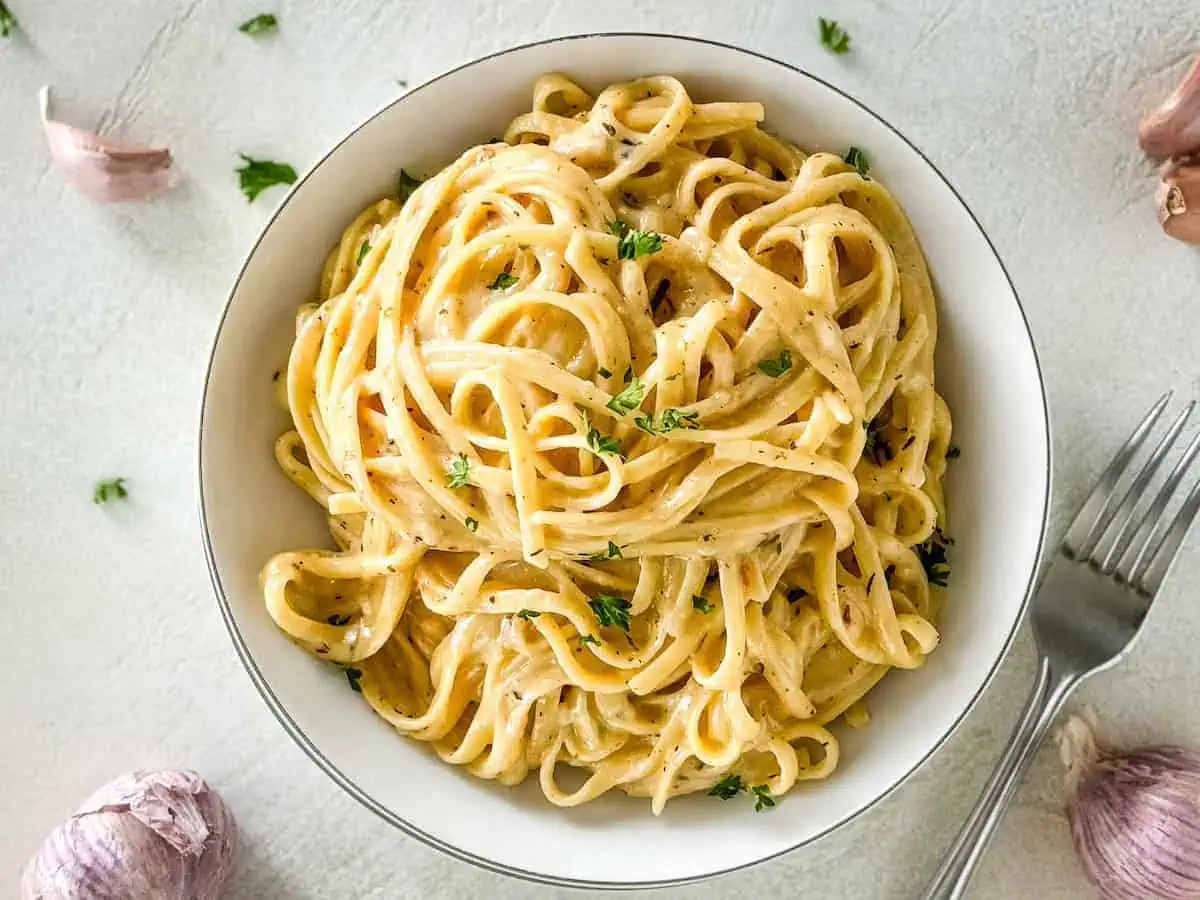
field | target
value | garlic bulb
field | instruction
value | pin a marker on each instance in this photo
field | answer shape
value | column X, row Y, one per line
column 1174, row 128
column 160, row 835
column 1178, row 197
column 1135, row 816
column 102, row 169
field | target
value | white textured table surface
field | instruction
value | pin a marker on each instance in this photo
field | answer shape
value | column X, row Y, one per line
column 115, row 656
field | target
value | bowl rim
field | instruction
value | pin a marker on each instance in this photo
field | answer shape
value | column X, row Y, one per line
column 345, row 782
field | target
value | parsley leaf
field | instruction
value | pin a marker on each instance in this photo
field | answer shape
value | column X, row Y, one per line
column 472, row 524
column 629, row 398
column 953, row 452
column 338, row 619
column 672, row 419
column 109, row 489
column 405, row 185
column 727, row 788
column 633, row 242
column 8, row 22
column 932, row 554
column 603, row 372
column 585, row 639
column 259, row 174
column 877, row 449
column 858, row 158
column 503, row 282
column 260, row 24
column 457, row 476
column 701, row 605
column 528, row 614
column 603, row 443
column 833, row 37
column 762, row 798
column 776, row 367
column 353, row 676
column 611, row 610
column 362, row 252
column 613, row 552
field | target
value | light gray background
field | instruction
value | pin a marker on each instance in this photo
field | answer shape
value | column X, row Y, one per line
column 114, row 654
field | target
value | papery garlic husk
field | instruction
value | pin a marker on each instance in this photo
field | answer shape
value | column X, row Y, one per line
column 1135, row 816
column 148, row 835
column 102, row 169
column 1178, row 199
column 1174, row 128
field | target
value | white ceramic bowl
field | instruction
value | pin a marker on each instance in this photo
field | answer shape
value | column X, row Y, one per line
column 986, row 367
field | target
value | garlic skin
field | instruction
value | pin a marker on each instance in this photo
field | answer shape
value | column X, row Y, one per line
column 1174, row 128
column 148, row 835
column 1178, row 199
column 1135, row 816
column 102, row 169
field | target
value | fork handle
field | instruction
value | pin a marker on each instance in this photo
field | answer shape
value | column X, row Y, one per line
column 958, row 865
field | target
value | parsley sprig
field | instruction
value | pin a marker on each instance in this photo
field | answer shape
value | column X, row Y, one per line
column 528, row 614
column 260, row 24
column 109, row 489
column 777, row 366
column 857, row 157
column 362, row 252
column 460, row 467
column 613, row 552
column 701, row 605
column 727, row 788
column 932, row 554
column 629, row 398
column 672, row 420
column 633, row 242
column 259, row 174
column 611, row 610
column 503, row 282
column 762, row 798
column 833, row 37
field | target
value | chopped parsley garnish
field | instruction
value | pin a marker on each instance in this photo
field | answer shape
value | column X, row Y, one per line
column 459, row 467
column 353, row 676
column 8, row 22
column 109, row 489
column 611, row 610
column 603, row 372
column 259, row 174
column 776, row 367
column 672, row 420
column 528, row 614
column 362, row 252
column 633, row 242
column 932, row 554
column 603, row 443
column 472, row 524
column 629, row 398
column 503, row 282
column 953, row 452
column 857, row 158
column 338, row 619
column 585, row 639
column 613, row 552
column 727, row 788
column 833, row 37
column 762, row 798
column 405, row 185
column 701, row 605
column 260, row 24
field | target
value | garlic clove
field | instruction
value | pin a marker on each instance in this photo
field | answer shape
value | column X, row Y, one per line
column 1178, row 198
column 102, row 169
column 1174, row 128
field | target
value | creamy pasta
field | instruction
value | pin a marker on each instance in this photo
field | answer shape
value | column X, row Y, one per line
column 627, row 434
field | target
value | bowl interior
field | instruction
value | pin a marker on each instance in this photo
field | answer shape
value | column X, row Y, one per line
column 997, row 490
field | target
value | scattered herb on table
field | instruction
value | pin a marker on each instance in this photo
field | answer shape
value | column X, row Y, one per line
column 109, row 489
column 260, row 24
column 8, row 22
column 833, row 37
column 259, row 174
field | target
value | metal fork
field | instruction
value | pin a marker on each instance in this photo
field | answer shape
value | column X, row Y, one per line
column 1087, row 610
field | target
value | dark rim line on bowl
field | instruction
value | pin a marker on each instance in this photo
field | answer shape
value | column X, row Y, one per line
column 375, row 806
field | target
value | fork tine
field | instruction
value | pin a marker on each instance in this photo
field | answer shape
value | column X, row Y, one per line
column 1112, row 542
column 1163, row 555
column 1137, row 556
column 1084, row 529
